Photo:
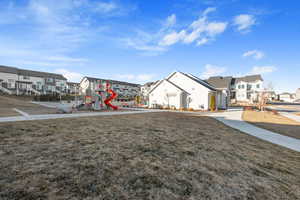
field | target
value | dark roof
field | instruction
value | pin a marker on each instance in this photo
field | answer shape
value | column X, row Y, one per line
column 220, row 82
column 24, row 72
column 150, row 83
column 250, row 78
column 286, row 93
column 41, row 74
column 112, row 81
column 72, row 83
column 7, row 69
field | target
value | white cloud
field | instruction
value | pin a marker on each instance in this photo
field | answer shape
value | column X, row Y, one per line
column 212, row 70
column 171, row 20
column 136, row 77
column 254, row 54
column 126, row 76
column 263, row 69
column 172, row 38
column 105, row 7
column 144, row 42
column 202, row 41
column 244, row 22
column 200, row 31
column 71, row 76
column 66, row 59
column 53, row 30
column 145, row 77
column 209, row 10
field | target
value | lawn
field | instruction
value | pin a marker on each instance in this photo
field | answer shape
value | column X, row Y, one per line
column 7, row 104
column 272, row 122
column 142, row 156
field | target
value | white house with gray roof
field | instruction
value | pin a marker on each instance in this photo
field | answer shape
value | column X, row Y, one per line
column 241, row 89
column 20, row 81
column 181, row 90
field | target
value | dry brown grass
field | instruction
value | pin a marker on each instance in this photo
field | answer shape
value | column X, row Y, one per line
column 7, row 112
column 272, row 122
column 142, row 156
column 7, row 104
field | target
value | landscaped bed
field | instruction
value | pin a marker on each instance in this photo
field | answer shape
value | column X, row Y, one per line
column 273, row 122
column 142, row 156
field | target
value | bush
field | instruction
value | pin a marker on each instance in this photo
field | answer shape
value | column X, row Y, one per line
column 54, row 97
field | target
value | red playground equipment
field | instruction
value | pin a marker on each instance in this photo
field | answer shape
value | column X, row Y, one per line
column 112, row 96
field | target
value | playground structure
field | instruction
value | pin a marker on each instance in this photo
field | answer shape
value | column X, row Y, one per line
column 102, row 99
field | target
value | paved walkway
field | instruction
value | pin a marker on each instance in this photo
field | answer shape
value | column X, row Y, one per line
column 291, row 116
column 73, row 115
column 234, row 120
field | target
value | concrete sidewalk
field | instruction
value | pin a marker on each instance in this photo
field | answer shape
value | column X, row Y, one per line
column 290, row 116
column 234, row 120
column 73, row 115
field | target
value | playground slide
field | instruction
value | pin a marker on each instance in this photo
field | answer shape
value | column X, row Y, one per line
column 107, row 101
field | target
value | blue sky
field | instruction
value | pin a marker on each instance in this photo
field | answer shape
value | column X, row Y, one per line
column 140, row 41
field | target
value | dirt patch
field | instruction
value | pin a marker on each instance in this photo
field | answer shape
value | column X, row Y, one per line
column 7, row 104
column 142, row 156
column 272, row 122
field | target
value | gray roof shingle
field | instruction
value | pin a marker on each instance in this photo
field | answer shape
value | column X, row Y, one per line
column 24, row 72
column 112, row 81
column 250, row 78
column 220, row 82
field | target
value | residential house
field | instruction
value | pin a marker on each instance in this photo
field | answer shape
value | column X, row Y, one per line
column 270, row 95
column 242, row 89
column 181, row 90
column 126, row 91
column 73, row 88
column 144, row 92
column 287, row 97
column 223, row 84
column 298, row 94
column 247, row 88
column 27, row 82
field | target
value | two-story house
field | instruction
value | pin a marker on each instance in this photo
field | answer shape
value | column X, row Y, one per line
column 247, row 88
column 126, row 91
column 241, row 89
column 27, row 82
column 73, row 88
column 144, row 91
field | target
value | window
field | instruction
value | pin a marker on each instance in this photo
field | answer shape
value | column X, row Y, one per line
column 11, row 83
column 258, row 86
column 50, row 80
column 39, row 85
column 26, row 77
